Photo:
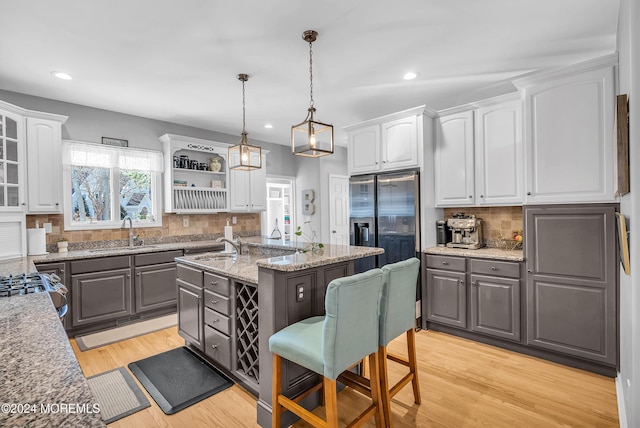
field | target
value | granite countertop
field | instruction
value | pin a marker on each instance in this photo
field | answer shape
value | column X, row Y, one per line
column 39, row 367
column 481, row 253
column 245, row 267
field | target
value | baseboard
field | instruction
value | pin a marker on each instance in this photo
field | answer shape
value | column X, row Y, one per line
column 622, row 410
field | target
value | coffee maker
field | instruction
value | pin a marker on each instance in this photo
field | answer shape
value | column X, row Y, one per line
column 466, row 231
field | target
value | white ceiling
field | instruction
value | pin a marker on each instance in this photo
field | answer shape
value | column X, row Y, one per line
column 177, row 61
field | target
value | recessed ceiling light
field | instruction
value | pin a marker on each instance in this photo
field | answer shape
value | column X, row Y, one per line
column 62, row 75
column 268, row 125
column 410, row 76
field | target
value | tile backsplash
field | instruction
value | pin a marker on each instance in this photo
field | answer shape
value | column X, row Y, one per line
column 201, row 226
column 497, row 222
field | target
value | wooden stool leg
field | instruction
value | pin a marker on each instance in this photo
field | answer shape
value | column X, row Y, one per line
column 276, row 409
column 331, row 401
column 413, row 367
column 374, row 369
column 385, row 397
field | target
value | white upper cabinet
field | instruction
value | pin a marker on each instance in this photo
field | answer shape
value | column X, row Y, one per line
column 44, row 176
column 453, row 160
column 12, row 160
column 569, row 134
column 499, row 159
column 249, row 189
column 388, row 143
column 399, row 144
column 363, row 152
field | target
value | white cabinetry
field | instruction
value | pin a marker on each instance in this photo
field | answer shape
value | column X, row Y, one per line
column 478, row 154
column 388, row 143
column 454, row 159
column 249, row 189
column 569, row 133
column 191, row 190
column 498, row 150
column 44, row 177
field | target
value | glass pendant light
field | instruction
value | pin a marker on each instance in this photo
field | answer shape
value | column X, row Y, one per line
column 243, row 156
column 311, row 138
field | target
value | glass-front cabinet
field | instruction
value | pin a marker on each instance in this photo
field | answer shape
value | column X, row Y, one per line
column 278, row 221
column 196, row 177
column 11, row 162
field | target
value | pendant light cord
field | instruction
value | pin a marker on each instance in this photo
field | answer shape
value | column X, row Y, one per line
column 243, row 111
column 311, row 73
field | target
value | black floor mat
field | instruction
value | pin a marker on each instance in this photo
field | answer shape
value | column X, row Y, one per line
column 178, row 378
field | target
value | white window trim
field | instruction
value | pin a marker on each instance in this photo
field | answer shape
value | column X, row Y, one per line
column 70, row 225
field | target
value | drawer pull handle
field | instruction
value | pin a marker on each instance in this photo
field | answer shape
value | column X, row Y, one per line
column 215, row 302
column 493, row 268
column 445, row 263
column 473, row 283
column 215, row 320
column 214, row 283
column 214, row 346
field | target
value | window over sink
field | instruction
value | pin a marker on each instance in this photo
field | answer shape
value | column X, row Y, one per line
column 103, row 184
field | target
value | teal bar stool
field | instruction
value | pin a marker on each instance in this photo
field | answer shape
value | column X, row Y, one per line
column 329, row 345
column 397, row 317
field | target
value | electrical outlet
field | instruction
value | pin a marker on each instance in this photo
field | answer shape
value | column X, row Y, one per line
column 47, row 227
column 299, row 293
column 418, row 309
column 234, row 220
column 185, row 222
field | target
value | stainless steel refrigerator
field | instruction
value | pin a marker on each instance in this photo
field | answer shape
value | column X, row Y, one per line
column 385, row 213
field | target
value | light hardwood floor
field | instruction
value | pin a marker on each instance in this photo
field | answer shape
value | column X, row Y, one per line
column 463, row 384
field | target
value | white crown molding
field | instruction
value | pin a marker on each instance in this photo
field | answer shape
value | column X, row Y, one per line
column 592, row 64
column 32, row 113
column 415, row 111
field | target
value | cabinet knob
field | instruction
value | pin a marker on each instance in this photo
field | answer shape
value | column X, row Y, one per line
column 528, row 193
column 215, row 320
column 529, row 271
column 215, row 302
column 445, row 263
column 138, row 274
column 473, row 283
column 214, row 283
column 61, row 271
column 23, row 204
column 333, row 231
column 470, row 196
column 462, row 281
column 482, row 196
column 214, row 346
column 57, row 204
column 493, row 268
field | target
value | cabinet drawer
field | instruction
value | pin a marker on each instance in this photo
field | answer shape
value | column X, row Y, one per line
column 216, row 283
column 446, row 262
column 217, row 346
column 217, row 320
column 190, row 275
column 217, row 302
column 156, row 258
column 100, row 265
column 495, row 268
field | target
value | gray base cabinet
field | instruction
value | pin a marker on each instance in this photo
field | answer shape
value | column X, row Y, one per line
column 572, row 272
column 190, row 306
column 155, row 281
column 495, row 306
column 447, row 297
column 101, row 296
column 218, row 310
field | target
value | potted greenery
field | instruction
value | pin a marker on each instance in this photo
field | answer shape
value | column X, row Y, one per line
column 62, row 245
column 313, row 246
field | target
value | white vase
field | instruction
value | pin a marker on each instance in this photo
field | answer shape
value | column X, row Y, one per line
column 62, row 246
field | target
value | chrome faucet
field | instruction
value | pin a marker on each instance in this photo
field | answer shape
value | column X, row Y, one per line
column 238, row 247
column 124, row 220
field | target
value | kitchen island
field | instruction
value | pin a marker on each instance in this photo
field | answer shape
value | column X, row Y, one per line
column 41, row 380
column 228, row 308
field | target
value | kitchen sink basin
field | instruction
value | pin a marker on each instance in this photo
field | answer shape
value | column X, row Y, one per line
column 215, row 256
column 104, row 250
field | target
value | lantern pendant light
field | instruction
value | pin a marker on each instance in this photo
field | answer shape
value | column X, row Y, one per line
column 311, row 138
column 243, row 156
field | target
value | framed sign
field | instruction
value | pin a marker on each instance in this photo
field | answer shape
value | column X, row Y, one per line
column 115, row 142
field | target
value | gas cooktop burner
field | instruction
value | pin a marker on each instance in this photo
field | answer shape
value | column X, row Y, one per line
column 21, row 284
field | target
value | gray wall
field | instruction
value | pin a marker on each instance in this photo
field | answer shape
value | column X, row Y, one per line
column 628, row 382
column 91, row 124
